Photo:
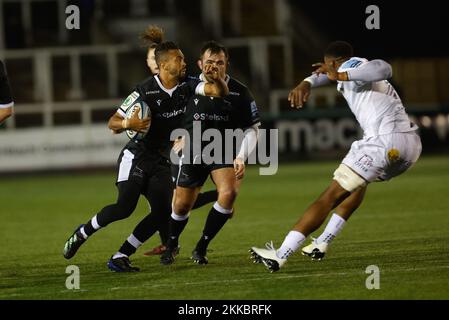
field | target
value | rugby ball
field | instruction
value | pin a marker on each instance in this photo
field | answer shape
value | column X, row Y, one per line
column 144, row 112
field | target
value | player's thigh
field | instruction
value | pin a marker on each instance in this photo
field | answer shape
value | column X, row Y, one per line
column 159, row 191
column 128, row 194
column 238, row 184
column 192, row 175
column 185, row 198
column 174, row 168
column 131, row 167
column 224, row 179
column 365, row 159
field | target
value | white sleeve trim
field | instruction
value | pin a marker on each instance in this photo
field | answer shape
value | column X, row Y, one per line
column 317, row 80
column 120, row 112
column 128, row 102
column 249, row 142
column 200, row 89
column 6, row 106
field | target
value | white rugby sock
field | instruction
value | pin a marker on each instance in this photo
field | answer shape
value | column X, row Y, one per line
column 291, row 243
column 119, row 255
column 83, row 233
column 95, row 227
column 132, row 240
column 333, row 228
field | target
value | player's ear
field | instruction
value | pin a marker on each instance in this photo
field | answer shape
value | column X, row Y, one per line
column 200, row 64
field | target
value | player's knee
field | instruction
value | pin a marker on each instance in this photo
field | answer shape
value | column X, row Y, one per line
column 182, row 207
column 124, row 210
column 161, row 203
column 228, row 195
column 348, row 179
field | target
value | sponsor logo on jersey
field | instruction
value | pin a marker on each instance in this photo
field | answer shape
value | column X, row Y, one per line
column 393, row 155
column 232, row 93
column 138, row 172
column 352, row 63
column 158, row 102
column 153, row 92
column 254, row 110
column 365, row 163
column 130, row 100
column 211, row 117
column 196, row 101
column 185, row 175
column 172, row 114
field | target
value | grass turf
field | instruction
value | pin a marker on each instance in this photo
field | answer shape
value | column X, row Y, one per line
column 402, row 227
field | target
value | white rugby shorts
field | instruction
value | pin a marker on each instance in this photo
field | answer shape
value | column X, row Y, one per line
column 383, row 157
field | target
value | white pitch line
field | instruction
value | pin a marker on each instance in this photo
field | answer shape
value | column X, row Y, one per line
column 275, row 277
column 267, row 277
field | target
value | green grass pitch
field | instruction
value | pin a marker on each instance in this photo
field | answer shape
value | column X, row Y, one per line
column 402, row 227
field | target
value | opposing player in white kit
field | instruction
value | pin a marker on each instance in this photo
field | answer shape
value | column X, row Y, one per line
column 389, row 147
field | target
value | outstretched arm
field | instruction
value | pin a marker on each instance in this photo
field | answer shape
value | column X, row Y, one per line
column 299, row 95
column 318, row 80
column 372, row 71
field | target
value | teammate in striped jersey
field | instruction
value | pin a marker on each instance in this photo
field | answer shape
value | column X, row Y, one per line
column 143, row 165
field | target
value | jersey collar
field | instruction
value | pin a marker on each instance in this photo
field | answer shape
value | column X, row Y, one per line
column 168, row 91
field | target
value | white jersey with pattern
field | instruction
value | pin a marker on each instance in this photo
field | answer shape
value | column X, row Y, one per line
column 376, row 105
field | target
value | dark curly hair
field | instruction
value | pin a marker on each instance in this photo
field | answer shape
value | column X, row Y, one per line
column 153, row 37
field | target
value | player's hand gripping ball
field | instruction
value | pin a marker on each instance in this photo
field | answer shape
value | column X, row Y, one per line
column 135, row 115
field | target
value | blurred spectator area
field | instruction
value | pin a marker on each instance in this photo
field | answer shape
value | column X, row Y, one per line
column 62, row 76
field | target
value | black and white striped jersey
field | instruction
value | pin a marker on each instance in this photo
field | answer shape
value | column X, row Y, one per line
column 167, row 108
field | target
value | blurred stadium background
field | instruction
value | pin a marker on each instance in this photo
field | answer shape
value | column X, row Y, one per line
column 67, row 83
